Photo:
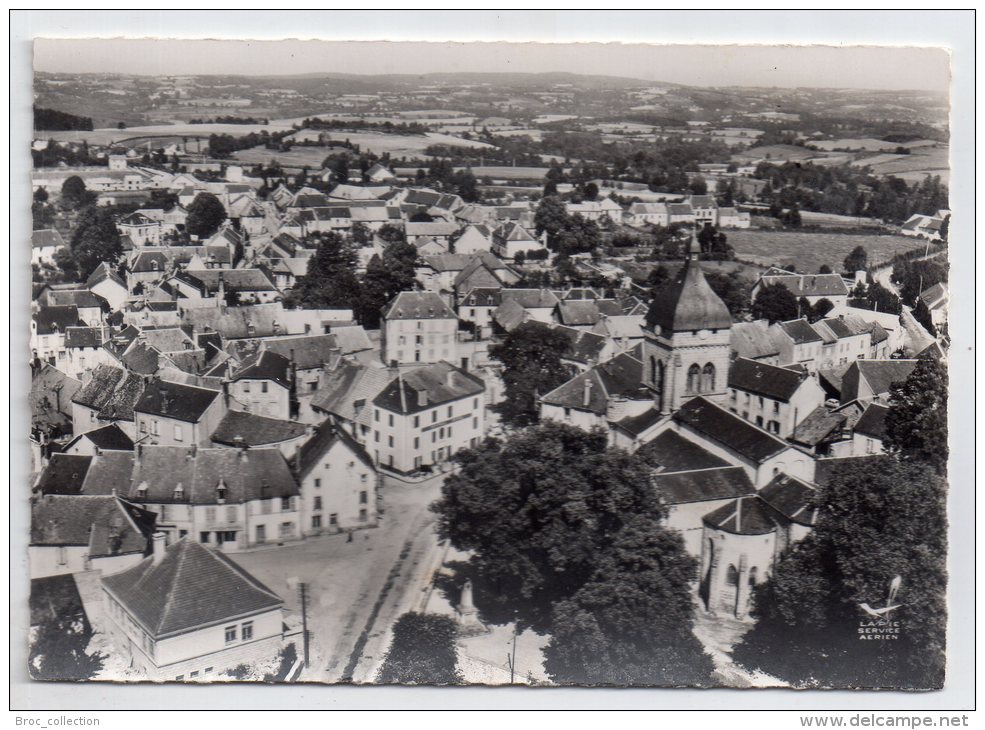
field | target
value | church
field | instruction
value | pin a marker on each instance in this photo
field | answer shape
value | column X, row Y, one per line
column 738, row 492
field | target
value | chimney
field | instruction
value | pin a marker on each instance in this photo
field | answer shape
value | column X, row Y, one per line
column 164, row 400
column 99, row 451
column 297, row 458
column 587, row 395
column 860, row 277
column 422, row 398
column 158, row 546
column 393, row 364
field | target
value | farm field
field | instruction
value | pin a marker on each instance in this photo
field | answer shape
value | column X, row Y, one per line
column 808, row 251
column 913, row 167
column 113, row 136
column 868, row 144
column 398, row 145
column 777, row 153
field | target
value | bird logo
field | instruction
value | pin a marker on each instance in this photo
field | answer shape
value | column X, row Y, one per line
column 884, row 611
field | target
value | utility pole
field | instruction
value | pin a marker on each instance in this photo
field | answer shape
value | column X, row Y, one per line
column 304, row 619
column 511, row 659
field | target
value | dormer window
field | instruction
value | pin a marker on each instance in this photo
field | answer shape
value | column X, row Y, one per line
column 220, row 491
column 142, row 490
column 179, row 492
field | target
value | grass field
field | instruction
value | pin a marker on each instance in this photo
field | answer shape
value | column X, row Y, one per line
column 398, row 145
column 808, row 251
column 913, row 167
column 112, row 136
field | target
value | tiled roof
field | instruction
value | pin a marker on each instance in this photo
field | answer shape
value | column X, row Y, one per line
column 426, row 387
column 881, row 374
column 56, row 318
column 702, row 485
column 688, row 304
column 752, row 340
column 873, row 421
column 46, row 238
column 108, row 438
column 98, row 390
column 173, row 400
column 238, row 427
column 761, row 379
column 326, row 435
column 744, row 516
column 191, row 587
column 106, row 525
column 728, row 429
column 585, row 347
column 809, row 285
column 142, row 358
column 346, row 390
column 672, row 452
column 791, row 497
column 104, row 272
column 819, row 425
column 935, row 296
column 246, row 475
column 440, row 229
column 578, row 313
column 800, row 331
column 109, row 473
column 620, row 376
column 51, row 397
column 532, row 298
column 417, row 305
column 266, row 365
column 64, row 474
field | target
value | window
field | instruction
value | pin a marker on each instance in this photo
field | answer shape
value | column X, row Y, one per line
column 417, row 421
column 434, row 437
column 264, row 386
column 694, row 379
column 776, row 406
column 266, row 506
column 231, row 513
column 317, row 504
column 376, row 414
column 363, row 515
column 208, row 670
column 313, row 386
column 389, row 420
column 317, row 483
column 286, row 529
column 180, row 677
column 731, row 576
column 434, row 416
column 203, row 537
column 475, row 403
column 760, row 401
column 708, row 379
column 177, row 433
column 247, row 631
column 230, row 634
column 333, row 519
column 316, row 522
column 759, row 421
column 376, row 436
column 285, row 504
column 192, row 675
column 417, row 442
column 389, row 441
column 143, row 426
column 210, row 515
column 154, row 427
column 363, row 478
column 62, row 556
column 363, row 497
column 475, row 423
column 449, row 411
column 246, row 386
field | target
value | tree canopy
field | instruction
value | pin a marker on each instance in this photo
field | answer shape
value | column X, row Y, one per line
column 878, row 518
column 205, row 214
column 775, row 303
column 856, row 260
column 74, row 192
column 385, row 277
column 422, row 652
column 95, row 240
column 916, row 425
column 531, row 357
column 331, row 277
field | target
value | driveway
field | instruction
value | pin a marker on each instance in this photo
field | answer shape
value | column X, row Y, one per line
column 356, row 589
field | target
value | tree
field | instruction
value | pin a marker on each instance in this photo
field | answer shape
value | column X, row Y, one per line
column 531, row 358
column 857, row 260
column 820, row 309
column 591, row 191
column 922, row 315
column 731, row 289
column 877, row 518
column 550, row 188
column 205, row 215
column 422, row 651
column 95, row 240
column 630, row 623
column 552, row 217
column 698, row 185
column 876, row 297
column 659, row 275
column 825, row 269
column 945, row 227
column 385, row 276
column 60, row 639
column 74, row 192
column 775, row 303
column 916, row 425
column 361, row 234
column 330, row 280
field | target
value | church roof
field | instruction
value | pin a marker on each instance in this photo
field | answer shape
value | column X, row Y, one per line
column 688, row 304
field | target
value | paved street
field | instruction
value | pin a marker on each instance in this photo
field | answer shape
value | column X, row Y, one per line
column 358, row 588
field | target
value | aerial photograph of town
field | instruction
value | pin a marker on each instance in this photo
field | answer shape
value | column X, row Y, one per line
column 535, row 378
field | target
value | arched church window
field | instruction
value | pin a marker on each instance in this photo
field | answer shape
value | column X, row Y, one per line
column 694, row 379
column 653, row 372
column 753, row 577
column 732, row 576
column 708, row 378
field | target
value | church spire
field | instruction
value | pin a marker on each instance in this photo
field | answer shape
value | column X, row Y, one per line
column 694, row 250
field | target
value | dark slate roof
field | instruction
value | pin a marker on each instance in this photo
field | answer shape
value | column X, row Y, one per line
column 102, row 273
column 46, row 238
column 744, row 516
column 791, row 497
column 191, row 587
column 635, row 425
column 873, row 421
column 800, row 331
column 672, row 452
column 81, row 298
column 417, row 305
column 609, row 307
column 238, row 427
column 702, row 485
column 584, row 346
column 57, row 598
column 108, row 438
column 97, row 391
column 620, row 376
column 247, row 475
column 935, row 296
column 64, row 474
column 307, row 352
column 531, row 298
column 83, row 337
column 107, row 525
column 881, row 374
column 826, row 469
column 109, row 473
column 266, row 365
column 51, row 397
column 440, row 383
column 142, row 358
column 326, row 435
column 173, row 400
column 728, row 429
column 809, row 285
column 56, row 318
column 688, row 304
column 766, row 380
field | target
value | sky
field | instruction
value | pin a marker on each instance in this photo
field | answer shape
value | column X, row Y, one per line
column 865, row 67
